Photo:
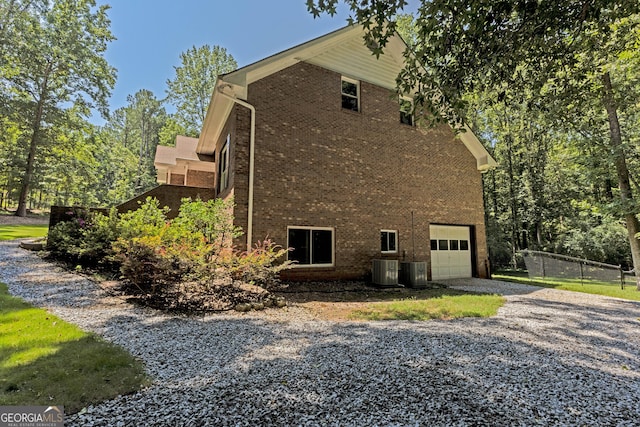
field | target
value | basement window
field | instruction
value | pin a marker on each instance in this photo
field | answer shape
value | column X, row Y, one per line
column 388, row 241
column 312, row 246
column 350, row 94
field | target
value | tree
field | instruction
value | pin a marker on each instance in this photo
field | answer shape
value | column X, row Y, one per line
column 169, row 131
column 519, row 46
column 55, row 62
column 11, row 12
column 191, row 88
column 134, row 132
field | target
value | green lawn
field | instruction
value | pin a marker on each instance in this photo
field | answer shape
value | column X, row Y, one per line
column 47, row 361
column 590, row 287
column 10, row 232
column 444, row 304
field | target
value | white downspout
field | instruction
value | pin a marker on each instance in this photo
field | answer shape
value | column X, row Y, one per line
column 252, row 142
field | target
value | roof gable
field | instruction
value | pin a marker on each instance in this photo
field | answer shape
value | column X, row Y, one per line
column 341, row 51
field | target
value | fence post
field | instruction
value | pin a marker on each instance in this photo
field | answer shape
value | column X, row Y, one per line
column 621, row 277
column 581, row 274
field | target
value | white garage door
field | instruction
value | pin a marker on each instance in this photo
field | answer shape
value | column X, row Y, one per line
column 450, row 252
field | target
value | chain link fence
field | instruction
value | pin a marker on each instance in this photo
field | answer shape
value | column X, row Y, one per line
column 549, row 265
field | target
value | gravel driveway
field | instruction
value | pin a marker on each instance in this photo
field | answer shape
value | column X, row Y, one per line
column 548, row 358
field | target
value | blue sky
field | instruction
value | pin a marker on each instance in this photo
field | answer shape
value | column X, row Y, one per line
column 151, row 34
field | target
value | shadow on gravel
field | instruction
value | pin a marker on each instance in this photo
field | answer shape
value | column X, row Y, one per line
column 605, row 327
column 236, row 371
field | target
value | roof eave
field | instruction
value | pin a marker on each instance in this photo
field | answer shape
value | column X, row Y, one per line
column 484, row 161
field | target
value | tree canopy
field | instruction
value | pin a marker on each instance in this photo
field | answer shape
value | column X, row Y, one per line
column 191, row 88
column 53, row 63
column 53, row 76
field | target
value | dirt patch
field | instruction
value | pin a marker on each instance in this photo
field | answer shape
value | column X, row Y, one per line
column 335, row 301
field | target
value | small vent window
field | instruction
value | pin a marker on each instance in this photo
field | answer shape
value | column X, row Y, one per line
column 388, row 241
column 350, row 94
column 406, row 115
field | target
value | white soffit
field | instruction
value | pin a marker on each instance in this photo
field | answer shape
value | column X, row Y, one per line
column 355, row 60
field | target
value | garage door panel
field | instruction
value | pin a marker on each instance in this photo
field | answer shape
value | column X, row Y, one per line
column 450, row 252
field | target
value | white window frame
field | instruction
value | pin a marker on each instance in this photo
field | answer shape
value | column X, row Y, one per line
column 357, row 97
column 223, row 179
column 311, row 229
column 395, row 232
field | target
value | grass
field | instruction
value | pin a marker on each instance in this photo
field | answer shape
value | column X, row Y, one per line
column 629, row 292
column 47, row 361
column 435, row 304
column 10, row 232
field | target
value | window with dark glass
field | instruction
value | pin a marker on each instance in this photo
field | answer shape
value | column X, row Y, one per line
column 443, row 245
column 434, row 245
column 311, row 246
column 406, row 116
column 223, row 167
column 464, row 245
column 453, row 245
column 350, row 94
column 388, row 241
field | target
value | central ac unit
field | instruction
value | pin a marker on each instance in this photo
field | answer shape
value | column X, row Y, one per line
column 385, row 272
column 413, row 274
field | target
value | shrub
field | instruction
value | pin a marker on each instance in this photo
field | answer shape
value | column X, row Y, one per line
column 180, row 264
column 148, row 220
column 85, row 239
column 260, row 266
column 148, row 267
column 606, row 242
column 210, row 221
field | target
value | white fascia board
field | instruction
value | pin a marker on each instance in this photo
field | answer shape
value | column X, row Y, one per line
column 484, row 161
column 217, row 114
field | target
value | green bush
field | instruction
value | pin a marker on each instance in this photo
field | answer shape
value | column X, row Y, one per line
column 173, row 263
column 85, row 239
column 147, row 267
column 148, row 220
column 606, row 242
column 261, row 265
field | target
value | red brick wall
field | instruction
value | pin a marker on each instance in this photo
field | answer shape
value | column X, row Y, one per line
column 176, row 179
column 168, row 195
column 359, row 172
column 200, row 179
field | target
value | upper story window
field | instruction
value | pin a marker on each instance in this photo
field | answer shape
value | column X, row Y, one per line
column 223, row 166
column 388, row 241
column 406, row 116
column 350, row 94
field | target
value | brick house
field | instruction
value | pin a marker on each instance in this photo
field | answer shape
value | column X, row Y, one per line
column 182, row 165
column 317, row 153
